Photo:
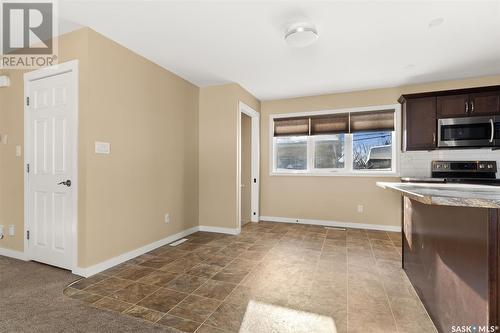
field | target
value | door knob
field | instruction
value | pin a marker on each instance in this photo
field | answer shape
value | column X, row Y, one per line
column 67, row 183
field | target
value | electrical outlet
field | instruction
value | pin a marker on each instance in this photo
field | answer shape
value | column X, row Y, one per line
column 102, row 147
column 167, row 218
column 12, row 230
column 360, row 208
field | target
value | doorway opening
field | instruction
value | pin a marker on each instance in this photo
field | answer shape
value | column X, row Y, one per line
column 248, row 162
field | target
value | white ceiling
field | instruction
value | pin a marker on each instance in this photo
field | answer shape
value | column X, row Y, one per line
column 361, row 45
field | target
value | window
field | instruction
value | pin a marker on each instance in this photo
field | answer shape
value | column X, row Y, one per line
column 291, row 153
column 339, row 143
column 329, row 152
column 372, row 151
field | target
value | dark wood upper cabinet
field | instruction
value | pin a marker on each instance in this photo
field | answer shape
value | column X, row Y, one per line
column 469, row 105
column 422, row 110
column 453, row 106
column 485, row 103
column 419, row 124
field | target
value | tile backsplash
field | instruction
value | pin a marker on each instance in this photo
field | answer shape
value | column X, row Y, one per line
column 418, row 163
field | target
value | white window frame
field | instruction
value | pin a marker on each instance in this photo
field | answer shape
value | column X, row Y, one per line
column 348, row 170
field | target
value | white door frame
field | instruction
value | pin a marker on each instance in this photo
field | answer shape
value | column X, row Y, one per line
column 255, row 116
column 70, row 66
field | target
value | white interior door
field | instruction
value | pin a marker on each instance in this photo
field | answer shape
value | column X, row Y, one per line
column 51, row 112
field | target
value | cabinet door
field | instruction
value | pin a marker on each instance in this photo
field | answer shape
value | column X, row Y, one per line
column 419, row 116
column 453, row 106
column 485, row 104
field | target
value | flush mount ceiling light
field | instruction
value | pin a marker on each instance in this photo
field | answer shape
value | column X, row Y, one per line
column 301, row 35
column 436, row 22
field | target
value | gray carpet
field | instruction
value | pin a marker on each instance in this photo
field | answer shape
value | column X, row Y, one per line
column 31, row 300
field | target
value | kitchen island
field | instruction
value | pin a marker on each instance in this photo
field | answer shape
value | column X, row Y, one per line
column 450, row 251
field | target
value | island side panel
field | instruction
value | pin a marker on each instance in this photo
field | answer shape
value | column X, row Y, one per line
column 446, row 253
column 494, row 264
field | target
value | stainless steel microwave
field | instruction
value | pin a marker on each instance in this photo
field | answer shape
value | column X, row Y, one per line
column 469, row 132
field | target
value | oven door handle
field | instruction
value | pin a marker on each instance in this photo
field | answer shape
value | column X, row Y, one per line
column 492, row 130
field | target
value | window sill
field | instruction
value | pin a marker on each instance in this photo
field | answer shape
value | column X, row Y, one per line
column 336, row 174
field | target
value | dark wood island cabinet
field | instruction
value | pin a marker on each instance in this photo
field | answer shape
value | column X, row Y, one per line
column 451, row 252
column 451, row 258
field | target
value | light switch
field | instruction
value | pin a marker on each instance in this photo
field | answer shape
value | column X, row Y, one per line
column 102, row 147
column 12, row 230
column 18, row 151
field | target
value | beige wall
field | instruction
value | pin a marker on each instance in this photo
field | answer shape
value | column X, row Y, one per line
column 71, row 46
column 218, row 119
column 337, row 198
column 246, row 168
column 9, row 194
column 11, row 167
column 150, row 117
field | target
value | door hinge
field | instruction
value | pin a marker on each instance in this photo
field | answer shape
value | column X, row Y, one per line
column 27, row 101
column 27, row 234
column 28, row 168
column 254, row 213
column 255, row 180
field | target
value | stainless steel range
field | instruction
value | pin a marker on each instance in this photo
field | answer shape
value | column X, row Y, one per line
column 465, row 172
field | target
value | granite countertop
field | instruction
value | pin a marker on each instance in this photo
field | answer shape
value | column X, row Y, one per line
column 464, row 195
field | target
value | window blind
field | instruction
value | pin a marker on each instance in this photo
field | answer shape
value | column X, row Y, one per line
column 372, row 121
column 335, row 123
column 330, row 124
column 291, row 126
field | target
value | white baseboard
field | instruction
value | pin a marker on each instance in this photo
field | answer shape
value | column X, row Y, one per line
column 332, row 223
column 220, row 230
column 12, row 254
column 102, row 266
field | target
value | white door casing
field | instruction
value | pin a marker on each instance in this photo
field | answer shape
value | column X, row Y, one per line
column 255, row 167
column 51, row 116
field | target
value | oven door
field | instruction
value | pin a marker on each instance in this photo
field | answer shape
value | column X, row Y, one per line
column 468, row 132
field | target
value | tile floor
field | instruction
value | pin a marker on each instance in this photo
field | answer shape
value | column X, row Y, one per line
column 273, row 277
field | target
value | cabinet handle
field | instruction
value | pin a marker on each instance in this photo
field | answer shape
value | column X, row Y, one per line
column 434, row 138
column 466, row 107
column 492, row 130
column 471, row 106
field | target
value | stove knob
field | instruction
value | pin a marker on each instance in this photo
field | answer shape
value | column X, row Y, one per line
column 445, row 166
column 481, row 166
column 438, row 166
column 490, row 166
